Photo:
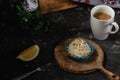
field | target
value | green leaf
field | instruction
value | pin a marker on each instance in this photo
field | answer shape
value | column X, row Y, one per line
column 19, row 9
column 26, row 19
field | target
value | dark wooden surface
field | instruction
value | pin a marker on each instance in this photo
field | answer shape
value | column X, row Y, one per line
column 61, row 24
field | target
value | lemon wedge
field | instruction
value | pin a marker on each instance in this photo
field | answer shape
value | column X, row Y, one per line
column 29, row 53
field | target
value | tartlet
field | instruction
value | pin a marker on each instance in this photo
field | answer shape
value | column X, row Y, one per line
column 78, row 49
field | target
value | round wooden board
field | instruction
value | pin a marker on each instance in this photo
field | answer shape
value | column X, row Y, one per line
column 79, row 67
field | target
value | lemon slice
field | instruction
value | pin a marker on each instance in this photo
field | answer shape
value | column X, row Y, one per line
column 29, row 53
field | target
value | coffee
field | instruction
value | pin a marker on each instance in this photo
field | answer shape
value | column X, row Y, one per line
column 102, row 16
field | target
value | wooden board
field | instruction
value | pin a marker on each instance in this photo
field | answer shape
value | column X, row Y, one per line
column 55, row 5
column 81, row 67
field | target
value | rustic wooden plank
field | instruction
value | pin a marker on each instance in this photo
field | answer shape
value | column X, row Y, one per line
column 55, row 5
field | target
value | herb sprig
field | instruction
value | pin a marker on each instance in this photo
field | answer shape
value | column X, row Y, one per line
column 27, row 20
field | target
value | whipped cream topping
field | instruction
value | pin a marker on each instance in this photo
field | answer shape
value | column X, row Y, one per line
column 78, row 48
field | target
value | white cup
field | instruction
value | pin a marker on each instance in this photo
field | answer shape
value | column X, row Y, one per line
column 102, row 28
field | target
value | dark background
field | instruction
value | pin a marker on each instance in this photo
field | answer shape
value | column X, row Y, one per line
column 61, row 24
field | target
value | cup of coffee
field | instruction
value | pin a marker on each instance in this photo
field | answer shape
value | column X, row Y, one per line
column 102, row 22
